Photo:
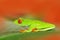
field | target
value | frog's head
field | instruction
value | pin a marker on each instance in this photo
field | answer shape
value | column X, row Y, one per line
column 22, row 23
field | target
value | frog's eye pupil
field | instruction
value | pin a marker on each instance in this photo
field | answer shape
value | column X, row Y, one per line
column 19, row 21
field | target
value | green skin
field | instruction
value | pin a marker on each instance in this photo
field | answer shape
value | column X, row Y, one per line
column 41, row 26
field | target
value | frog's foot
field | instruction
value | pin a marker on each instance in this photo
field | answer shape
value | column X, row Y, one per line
column 22, row 31
column 34, row 29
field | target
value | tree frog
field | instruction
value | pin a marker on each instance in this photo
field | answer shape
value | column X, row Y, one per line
column 33, row 25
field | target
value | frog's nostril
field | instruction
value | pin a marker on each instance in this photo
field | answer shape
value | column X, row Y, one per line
column 19, row 21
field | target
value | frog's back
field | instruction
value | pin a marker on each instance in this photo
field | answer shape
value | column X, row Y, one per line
column 41, row 25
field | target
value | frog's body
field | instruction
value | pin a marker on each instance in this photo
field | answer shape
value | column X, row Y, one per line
column 35, row 25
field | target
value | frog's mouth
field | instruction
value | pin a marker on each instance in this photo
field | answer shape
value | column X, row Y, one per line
column 45, row 29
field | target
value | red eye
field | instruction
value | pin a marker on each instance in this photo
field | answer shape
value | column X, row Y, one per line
column 19, row 21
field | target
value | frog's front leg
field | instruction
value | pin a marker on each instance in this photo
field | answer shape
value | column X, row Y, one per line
column 34, row 29
column 25, row 28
